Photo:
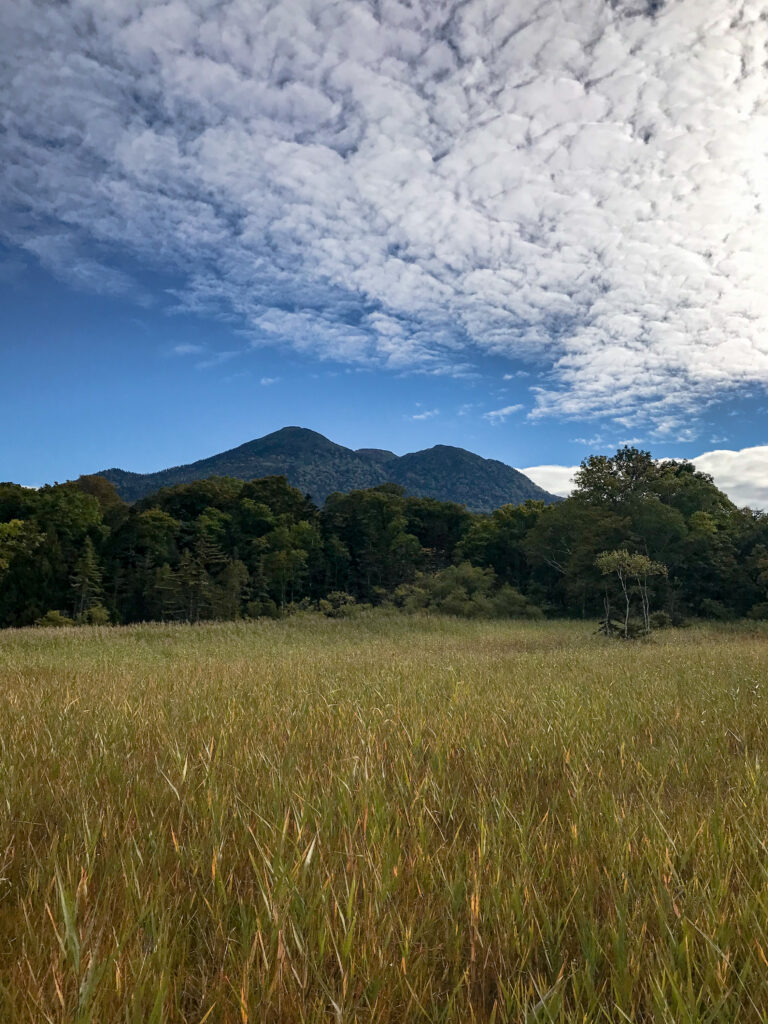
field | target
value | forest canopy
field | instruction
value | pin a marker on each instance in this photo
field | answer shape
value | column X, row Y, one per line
column 223, row 548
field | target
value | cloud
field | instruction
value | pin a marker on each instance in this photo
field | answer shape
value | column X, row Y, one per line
column 426, row 415
column 576, row 183
column 610, row 444
column 499, row 415
column 742, row 475
column 217, row 359
column 555, row 479
column 267, row 381
column 186, row 349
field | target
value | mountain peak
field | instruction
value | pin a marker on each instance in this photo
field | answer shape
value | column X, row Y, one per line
column 318, row 466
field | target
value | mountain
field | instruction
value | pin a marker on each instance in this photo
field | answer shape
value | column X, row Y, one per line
column 454, row 474
column 319, row 467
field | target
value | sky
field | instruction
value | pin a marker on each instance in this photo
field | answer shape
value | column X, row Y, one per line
column 537, row 230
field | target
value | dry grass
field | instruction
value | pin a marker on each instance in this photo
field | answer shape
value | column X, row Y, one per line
column 386, row 820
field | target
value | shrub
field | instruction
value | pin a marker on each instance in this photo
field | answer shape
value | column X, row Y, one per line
column 337, row 605
column 54, row 618
column 466, row 591
column 262, row 609
column 97, row 615
column 710, row 609
column 509, row 603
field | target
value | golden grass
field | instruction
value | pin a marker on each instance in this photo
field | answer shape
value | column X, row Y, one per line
column 384, row 820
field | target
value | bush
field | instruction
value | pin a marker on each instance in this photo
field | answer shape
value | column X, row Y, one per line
column 262, row 609
column 54, row 618
column 660, row 620
column 465, row 591
column 710, row 609
column 337, row 605
column 509, row 603
column 97, row 616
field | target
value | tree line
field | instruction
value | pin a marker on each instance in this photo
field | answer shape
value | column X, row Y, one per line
column 635, row 535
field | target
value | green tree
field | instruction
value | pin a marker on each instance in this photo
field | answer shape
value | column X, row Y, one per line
column 612, row 481
column 497, row 541
column 632, row 572
column 17, row 537
column 86, row 580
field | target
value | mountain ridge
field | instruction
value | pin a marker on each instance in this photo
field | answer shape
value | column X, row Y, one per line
column 319, row 467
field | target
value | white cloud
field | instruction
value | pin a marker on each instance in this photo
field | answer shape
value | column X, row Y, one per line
column 555, row 479
column 426, row 415
column 609, row 444
column 499, row 415
column 742, row 475
column 267, row 381
column 576, row 182
column 187, row 349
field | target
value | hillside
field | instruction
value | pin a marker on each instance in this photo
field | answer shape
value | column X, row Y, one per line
column 319, row 467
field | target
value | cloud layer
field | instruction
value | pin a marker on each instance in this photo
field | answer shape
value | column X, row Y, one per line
column 576, row 182
column 743, row 475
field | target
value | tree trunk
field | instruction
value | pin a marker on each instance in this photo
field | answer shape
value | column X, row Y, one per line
column 627, row 599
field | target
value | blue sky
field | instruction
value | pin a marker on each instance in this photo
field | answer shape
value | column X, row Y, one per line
column 533, row 235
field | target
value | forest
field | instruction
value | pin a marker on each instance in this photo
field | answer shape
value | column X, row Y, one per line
column 656, row 540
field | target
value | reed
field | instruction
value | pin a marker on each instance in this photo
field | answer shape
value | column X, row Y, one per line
column 387, row 819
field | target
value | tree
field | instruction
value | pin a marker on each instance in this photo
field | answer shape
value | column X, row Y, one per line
column 86, row 580
column 497, row 541
column 562, row 545
column 232, row 585
column 16, row 537
column 438, row 526
column 373, row 528
column 632, row 571
column 612, row 481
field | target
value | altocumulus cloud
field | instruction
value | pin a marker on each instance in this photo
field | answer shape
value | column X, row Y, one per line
column 576, row 182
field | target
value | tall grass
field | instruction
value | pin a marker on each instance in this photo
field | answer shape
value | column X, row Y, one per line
column 385, row 820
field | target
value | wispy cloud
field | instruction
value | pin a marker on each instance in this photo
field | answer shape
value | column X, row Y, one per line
column 267, row 381
column 217, row 359
column 573, row 182
column 427, row 414
column 187, row 349
column 600, row 441
column 499, row 415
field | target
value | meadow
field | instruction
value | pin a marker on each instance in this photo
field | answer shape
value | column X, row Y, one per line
column 386, row 819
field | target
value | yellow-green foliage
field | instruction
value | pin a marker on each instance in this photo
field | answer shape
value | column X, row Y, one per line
column 387, row 819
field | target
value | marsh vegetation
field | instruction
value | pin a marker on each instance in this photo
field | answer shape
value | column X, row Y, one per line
column 396, row 818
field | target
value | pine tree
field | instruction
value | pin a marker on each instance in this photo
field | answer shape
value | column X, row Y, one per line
column 86, row 580
column 167, row 598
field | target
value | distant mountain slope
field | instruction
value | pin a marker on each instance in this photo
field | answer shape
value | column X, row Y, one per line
column 319, row 467
column 454, row 474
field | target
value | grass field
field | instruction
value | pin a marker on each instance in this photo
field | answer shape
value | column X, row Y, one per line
column 391, row 820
